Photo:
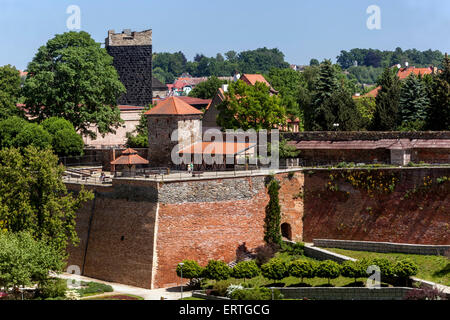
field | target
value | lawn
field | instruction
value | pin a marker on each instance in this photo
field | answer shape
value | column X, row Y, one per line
column 116, row 297
column 432, row 268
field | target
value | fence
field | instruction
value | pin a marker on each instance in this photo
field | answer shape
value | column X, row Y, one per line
column 86, row 160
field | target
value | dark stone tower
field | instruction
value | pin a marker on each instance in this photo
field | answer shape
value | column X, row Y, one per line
column 132, row 53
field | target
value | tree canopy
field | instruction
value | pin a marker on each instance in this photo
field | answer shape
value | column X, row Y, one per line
column 386, row 115
column 9, row 91
column 73, row 77
column 33, row 197
column 207, row 89
column 438, row 117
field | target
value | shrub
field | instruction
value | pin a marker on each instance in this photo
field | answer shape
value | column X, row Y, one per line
column 191, row 269
column 65, row 139
column 256, row 294
column 94, row 288
column 33, row 134
column 425, row 294
column 353, row 269
column 220, row 287
column 246, row 270
column 301, row 269
column 296, row 248
column 404, row 269
column 386, row 268
column 52, row 288
column 232, row 288
column 264, row 253
column 217, row 270
column 328, row 269
column 275, row 269
column 273, row 214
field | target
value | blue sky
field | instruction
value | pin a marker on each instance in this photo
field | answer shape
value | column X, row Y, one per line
column 301, row 29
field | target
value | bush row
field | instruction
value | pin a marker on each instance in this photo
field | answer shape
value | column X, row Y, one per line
column 277, row 269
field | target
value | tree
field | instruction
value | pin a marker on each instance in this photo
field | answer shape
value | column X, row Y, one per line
column 366, row 109
column 217, row 270
column 25, row 261
column 272, row 234
column 34, row 198
column 414, row 103
column 9, row 91
column 73, row 77
column 246, row 270
column 314, row 62
column 275, row 269
column 65, row 140
column 9, row 129
column 207, row 89
column 191, row 270
column 302, row 269
column 32, row 134
column 250, row 107
column 341, row 109
column 261, row 60
column 138, row 138
column 328, row 269
column 405, row 269
column 353, row 269
column 438, row 117
column 386, row 115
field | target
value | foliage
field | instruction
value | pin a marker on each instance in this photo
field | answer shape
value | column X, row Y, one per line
column 386, row 115
column 295, row 249
column 72, row 295
column 65, row 140
column 73, row 77
column 32, row 134
column 405, row 269
column 353, row 269
column 377, row 58
column 34, row 198
column 250, row 107
column 191, row 269
column 365, row 75
column 328, row 269
column 231, row 288
column 25, row 261
column 91, row 288
column 414, row 102
column 286, row 151
column 10, row 129
column 9, row 92
column 275, row 269
column 366, row 108
column 52, row 288
column 207, row 89
column 140, row 140
column 246, row 270
column 302, row 269
column 265, row 252
column 216, row 270
column 272, row 219
column 386, row 267
column 256, row 294
column 438, row 117
column 426, row 294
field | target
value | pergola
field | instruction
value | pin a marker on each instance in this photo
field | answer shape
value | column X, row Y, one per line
column 128, row 161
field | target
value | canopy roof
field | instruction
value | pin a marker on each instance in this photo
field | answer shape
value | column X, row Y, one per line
column 129, row 157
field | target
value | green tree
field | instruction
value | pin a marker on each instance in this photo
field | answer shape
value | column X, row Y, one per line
column 414, row 103
column 32, row 134
column 276, row 269
column 314, row 62
column 272, row 220
column 405, row 269
column 438, row 117
column 138, row 138
column 386, row 115
column 9, row 91
column 65, row 140
column 9, row 129
column 302, row 269
column 73, row 77
column 366, row 109
column 25, row 261
column 191, row 270
column 217, row 270
column 246, row 270
column 250, row 107
column 353, row 269
column 328, row 269
column 34, row 198
column 207, row 89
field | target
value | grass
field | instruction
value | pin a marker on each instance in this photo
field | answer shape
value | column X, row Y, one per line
column 93, row 288
column 118, row 296
column 431, row 268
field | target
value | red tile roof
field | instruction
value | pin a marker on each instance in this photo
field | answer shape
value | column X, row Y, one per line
column 403, row 73
column 252, row 79
column 129, row 157
column 173, row 106
column 218, row 148
column 193, row 101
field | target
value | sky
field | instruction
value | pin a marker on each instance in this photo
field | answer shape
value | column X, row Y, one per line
column 301, row 29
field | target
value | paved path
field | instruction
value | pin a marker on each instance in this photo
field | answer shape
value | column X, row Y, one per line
column 147, row 294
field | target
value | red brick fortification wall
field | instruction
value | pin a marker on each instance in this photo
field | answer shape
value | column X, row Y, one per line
column 120, row 246
column 417, row 211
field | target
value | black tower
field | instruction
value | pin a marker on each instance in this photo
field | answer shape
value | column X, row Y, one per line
column 132, row 53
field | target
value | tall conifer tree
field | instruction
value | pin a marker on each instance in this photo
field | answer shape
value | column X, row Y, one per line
column 414, row 103
column 386, row 115
column 439, row 112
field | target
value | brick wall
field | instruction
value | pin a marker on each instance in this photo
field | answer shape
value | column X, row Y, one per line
column 363, row 135
column 352, row 214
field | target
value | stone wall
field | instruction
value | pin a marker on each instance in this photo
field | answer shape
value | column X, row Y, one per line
column 398, row 293
column 383, row 246
column 363, row 135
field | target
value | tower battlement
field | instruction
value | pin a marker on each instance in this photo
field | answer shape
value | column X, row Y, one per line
column 129, row 38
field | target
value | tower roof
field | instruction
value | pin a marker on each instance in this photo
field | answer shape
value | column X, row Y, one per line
column 173, row 106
